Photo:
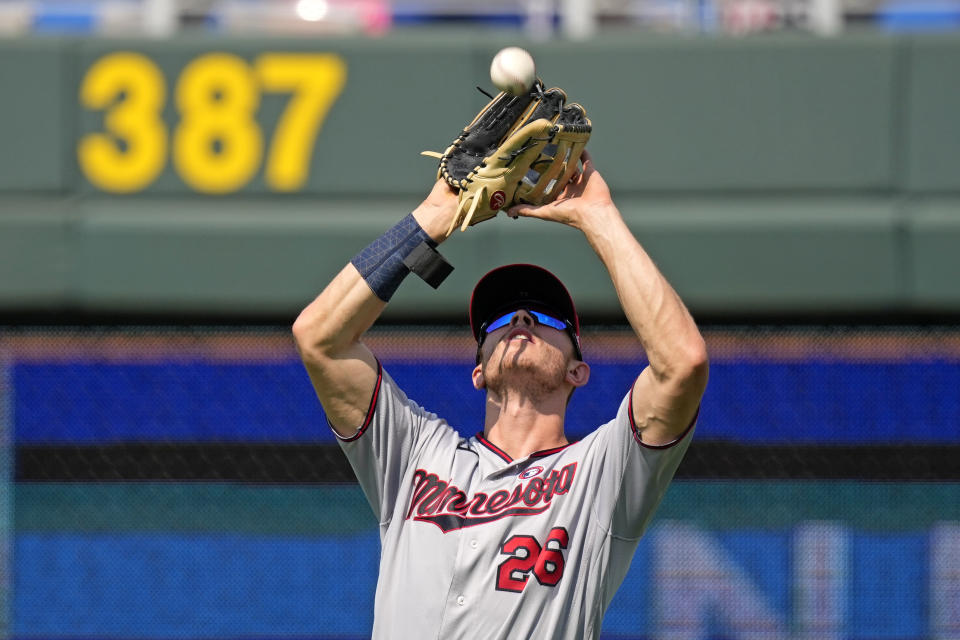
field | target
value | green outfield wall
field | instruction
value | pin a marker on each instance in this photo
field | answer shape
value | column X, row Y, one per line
column 770, row 175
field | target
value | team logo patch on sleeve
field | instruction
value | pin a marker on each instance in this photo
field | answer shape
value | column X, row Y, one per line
column 447, row 506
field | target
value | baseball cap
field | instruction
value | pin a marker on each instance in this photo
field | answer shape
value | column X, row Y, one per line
column 515, row 286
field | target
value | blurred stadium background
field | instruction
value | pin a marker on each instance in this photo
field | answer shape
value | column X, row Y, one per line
column 178, row 179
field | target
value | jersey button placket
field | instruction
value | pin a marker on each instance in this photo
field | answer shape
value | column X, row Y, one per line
column 456, row 612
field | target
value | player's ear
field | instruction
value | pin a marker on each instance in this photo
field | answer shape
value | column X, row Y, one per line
column 578, row 373
column 478, row 380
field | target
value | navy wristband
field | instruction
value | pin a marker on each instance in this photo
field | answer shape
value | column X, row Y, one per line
column 382, row 263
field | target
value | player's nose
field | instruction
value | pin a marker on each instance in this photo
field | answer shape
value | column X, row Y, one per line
column 522, row 318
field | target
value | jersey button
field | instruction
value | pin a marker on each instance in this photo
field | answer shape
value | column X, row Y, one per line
column 474, row 544
column 461, row 600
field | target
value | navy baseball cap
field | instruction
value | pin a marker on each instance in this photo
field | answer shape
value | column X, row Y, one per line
column 516, row 286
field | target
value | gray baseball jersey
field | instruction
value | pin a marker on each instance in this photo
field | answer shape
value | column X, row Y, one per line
column 475, row 544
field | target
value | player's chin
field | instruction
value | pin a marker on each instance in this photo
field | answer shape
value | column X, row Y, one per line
column 526, row 365
column 534, row 382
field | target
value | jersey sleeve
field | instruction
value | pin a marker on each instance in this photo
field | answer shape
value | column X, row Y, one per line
column 394, row 429
column 633, row 475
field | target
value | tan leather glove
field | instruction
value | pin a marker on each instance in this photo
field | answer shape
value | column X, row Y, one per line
column 518, row 149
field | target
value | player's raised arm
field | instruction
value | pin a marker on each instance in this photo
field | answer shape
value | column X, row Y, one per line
column 328, row 331
column 667, row 392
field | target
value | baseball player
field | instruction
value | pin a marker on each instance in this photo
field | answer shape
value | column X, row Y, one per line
column 515, row 532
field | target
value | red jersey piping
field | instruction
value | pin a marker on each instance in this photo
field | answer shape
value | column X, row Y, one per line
column 482, row 439
column 373, row 406
column 636, row 431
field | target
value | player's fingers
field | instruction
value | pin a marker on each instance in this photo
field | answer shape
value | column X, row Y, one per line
column 553, row 212
column 516, row 211
column 525, row 210
column 587, row 161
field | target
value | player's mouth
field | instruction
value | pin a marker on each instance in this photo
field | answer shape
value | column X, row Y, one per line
column 520, row 334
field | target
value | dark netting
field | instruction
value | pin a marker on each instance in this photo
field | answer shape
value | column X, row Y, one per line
column 183, row 483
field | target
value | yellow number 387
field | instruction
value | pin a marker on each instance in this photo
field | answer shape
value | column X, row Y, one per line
column 217, row 145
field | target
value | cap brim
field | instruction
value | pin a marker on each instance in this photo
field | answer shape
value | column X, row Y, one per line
column 513, row 286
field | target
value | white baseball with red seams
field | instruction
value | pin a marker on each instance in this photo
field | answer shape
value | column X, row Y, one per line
column 513, row 70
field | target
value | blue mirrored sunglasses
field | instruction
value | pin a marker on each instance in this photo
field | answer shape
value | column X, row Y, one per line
column 542, row 318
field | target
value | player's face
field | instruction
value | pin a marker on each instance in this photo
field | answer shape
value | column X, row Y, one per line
column 530, row 344
column 521, row 316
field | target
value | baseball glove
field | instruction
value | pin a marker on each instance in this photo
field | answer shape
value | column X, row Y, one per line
column 518, row 149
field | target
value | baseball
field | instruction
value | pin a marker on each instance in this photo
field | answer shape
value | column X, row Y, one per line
column 513, row 70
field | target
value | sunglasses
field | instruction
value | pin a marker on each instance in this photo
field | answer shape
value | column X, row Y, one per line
column 540, row 317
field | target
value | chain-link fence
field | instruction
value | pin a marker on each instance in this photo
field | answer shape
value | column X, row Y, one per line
column 182, row 483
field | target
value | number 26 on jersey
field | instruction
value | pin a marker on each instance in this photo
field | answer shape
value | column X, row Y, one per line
column 528, row 557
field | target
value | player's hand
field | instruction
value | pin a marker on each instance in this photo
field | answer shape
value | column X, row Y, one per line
column 585, row 197
column 437, row 211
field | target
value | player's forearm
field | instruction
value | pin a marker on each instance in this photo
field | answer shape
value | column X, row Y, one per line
column 352, row 302
column 666, row 329
column 434, row 214
column 338, row 317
